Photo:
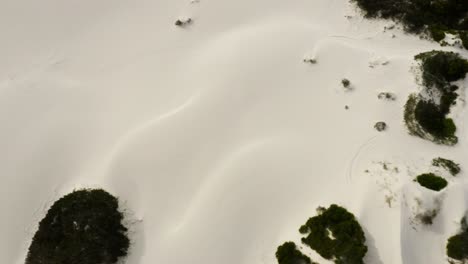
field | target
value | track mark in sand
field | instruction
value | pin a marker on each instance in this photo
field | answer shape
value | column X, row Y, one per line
column 344, row 37
column 358, row 153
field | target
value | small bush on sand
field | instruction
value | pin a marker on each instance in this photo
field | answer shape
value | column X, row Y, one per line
column 183, row 22
column 432, row 181
column 289, row 254
column 83, row 227
column 457, row 245
column 336, row 235
column 423, row 116
column 419, row 120
column 346, row 83
column 433, row 120
column 449, row 165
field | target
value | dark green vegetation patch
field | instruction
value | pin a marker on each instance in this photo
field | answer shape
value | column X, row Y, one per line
column 289, row 254
column 457, row 245
column 432, row 181
column 426, row 116
column 449, row 165
column 435, row 17
column 434, row 121
column 440, row 68
column 335, row 235
column 83, row 227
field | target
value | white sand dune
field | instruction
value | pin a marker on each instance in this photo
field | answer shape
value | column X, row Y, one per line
column 216, row 136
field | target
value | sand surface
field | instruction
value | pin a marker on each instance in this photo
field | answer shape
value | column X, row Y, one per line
column 217, row 137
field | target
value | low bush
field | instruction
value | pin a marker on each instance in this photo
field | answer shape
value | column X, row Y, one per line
column 432, row 181
column 464, row 39
column 457, row 245
column 346, row 83
column 83, row 227
column 425, row 120
column 438, row 16
column 440, row 68
column 433, row 120
column 289, row 254
column 335, row 235
column 449, row 165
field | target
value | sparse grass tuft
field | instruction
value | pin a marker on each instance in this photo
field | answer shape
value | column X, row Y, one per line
column 449, row 165
column 427, row 218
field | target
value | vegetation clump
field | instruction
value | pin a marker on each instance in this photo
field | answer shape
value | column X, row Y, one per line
column 435, row 18
column 426, row 113
column 440, row 68
column 336, row 235
column 289, row 254
column 380, row 126
column 387, row 96
column 346, row 83
column 432, row 181
column 424, row 121
column 83, row 227
column 449, row 165
column 433, row 121
column 310, row 60
column 183, row 22
column 427, row 217
column 457, row 245
column 464, row 39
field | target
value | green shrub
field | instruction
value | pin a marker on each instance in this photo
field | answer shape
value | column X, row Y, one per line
column 457, row 245
column 437, row 34
column 346, row 83
column 425, row 120
column 432, row 181
column 83, row 227
column 433, row 120
column 336, row 235
column 447, row 100
column 464, row 38
column 440, row 68
column 439, row 16
column 449, row 165
column 289, row 254
column 423, row 116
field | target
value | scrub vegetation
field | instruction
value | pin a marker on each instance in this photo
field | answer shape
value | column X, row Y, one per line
column 336, row 235
column 432, row 181
column 426, row 113
column 83, row 227
column 432, row 18
column 449, row 165
column 457, row 245
column 289, row 254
